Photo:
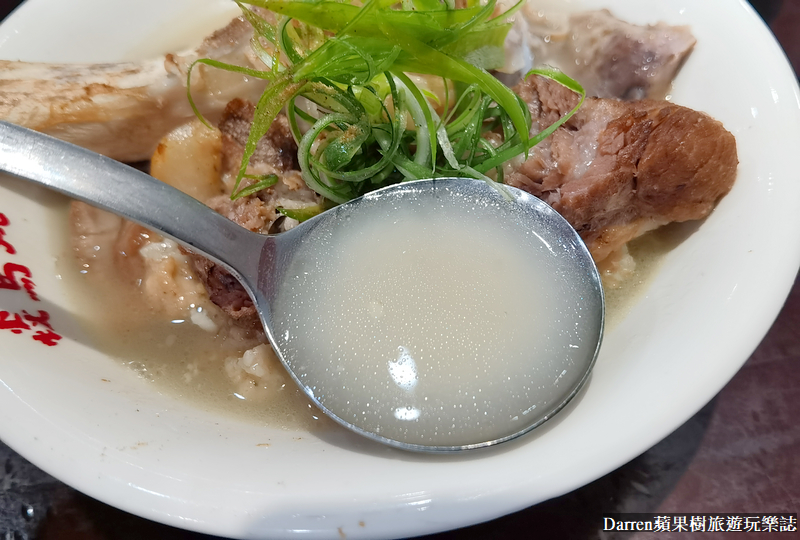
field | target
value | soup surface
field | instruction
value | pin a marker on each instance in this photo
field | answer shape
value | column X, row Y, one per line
column 443, row 320
column 210, row 367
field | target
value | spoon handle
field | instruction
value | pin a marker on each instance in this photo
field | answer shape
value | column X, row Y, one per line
column 130, row 193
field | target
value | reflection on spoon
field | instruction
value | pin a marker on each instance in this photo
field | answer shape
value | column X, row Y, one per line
column 404, row 370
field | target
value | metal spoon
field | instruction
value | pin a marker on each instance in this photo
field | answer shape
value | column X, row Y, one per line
column 265, row 265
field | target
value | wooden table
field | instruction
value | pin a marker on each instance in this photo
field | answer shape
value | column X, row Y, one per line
column 741, row 453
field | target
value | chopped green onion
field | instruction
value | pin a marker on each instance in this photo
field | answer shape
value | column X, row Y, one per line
column 307, row 212
column 374, row 125
column 263, row 183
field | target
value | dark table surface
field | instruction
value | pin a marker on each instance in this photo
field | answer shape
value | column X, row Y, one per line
column 740, row 453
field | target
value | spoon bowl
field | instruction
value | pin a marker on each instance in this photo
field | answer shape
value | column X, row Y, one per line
column 456, row 345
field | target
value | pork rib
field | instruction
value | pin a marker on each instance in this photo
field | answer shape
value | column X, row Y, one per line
column 122, row 110
column 618, row 169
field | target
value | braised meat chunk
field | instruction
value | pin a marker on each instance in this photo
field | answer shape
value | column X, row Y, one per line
column 618, row 169
column 611, row 58
column 618, row 59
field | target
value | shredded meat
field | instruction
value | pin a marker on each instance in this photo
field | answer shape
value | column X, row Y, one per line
column 225, row 291
column 276, row 149
column 618, row 169
column 276, row 153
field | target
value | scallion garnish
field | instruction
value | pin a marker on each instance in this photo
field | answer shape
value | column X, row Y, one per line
column 373, row 125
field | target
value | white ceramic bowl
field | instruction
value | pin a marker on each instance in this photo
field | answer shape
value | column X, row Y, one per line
column 128, row 445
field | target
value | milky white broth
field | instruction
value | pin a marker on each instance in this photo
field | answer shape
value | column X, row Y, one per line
column 437, row 321
column 163, row 352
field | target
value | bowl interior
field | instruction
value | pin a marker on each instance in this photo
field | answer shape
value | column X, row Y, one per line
column 98, row 426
